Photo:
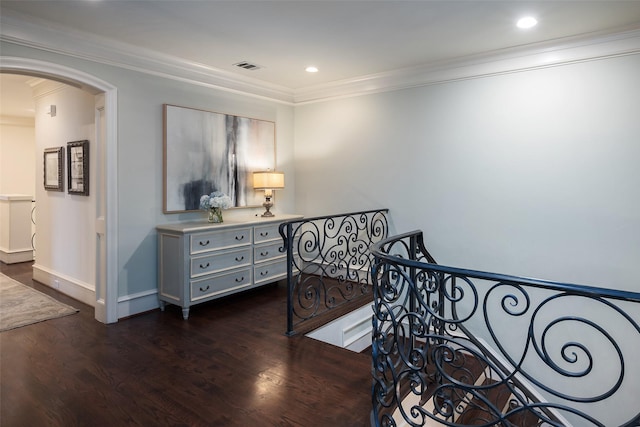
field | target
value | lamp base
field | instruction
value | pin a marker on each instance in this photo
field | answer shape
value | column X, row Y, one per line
column 267, row 205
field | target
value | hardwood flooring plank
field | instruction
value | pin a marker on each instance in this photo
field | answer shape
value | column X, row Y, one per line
column 230, row 364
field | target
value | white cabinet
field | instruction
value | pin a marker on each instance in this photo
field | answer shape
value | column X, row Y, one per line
column 198, row 261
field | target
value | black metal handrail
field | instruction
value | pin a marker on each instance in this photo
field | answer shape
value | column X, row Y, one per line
column 465, row 347
column 328, row 262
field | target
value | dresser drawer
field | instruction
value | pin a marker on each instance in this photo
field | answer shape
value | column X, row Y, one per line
column 270, row 271
column 222, row 239
column 268, row 251
column 266, row 233
column 220, row 261
column 220, row 283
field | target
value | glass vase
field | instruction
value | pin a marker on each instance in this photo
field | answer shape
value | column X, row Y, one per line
column 215, row 215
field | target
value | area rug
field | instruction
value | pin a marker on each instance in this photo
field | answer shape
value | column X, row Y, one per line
column 21, row 305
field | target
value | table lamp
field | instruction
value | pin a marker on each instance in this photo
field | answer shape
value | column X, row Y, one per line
column 268, row 181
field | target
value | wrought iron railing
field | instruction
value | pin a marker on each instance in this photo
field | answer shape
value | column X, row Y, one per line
column 460, row 347
column 328, row 264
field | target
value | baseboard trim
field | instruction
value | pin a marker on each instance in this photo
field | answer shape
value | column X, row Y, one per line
column 357, row 336
column 130, row 305
column 74, row 288
column 351, row 331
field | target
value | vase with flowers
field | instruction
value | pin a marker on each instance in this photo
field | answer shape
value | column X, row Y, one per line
column 214, row 203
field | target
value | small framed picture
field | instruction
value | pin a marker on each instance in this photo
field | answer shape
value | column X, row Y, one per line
column 53, row 169
column 78, row 169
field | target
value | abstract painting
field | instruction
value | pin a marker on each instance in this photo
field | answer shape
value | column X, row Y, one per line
column 206, row 151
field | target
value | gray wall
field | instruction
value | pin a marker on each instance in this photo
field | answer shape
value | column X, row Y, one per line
column 140, row 99
column 532, row 173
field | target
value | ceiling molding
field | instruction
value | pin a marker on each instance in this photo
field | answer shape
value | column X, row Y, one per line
column 17, row 29
column 544, row 55
column 25, row 31
column 43, row 87
column 21, row 121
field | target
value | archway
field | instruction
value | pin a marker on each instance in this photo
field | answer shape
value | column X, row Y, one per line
column 106, row 289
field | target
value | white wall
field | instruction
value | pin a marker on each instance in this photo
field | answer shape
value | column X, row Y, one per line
column 532, row 173
column 65, row 222
column 17, row 155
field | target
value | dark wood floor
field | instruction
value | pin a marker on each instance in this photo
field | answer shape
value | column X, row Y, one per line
column 230, row 364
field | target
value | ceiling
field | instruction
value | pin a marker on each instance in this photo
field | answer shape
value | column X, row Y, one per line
column 16, row 96
column 344, row 39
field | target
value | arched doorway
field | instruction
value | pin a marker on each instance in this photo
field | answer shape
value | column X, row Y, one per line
column 106, row 283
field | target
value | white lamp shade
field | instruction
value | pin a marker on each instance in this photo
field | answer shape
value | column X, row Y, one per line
column 268, row 180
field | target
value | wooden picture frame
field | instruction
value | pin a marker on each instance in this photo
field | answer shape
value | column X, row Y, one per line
column 78, row 167
column 206, row 151
column 53, row 169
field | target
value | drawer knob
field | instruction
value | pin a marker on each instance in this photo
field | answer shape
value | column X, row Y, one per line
column 264, row 273
column 204, row 266
column 204, row 243
column 239, row 237
column 239, row 258
column 204, row 289
column 264, row 253
column 264, row 233
column 239, row 279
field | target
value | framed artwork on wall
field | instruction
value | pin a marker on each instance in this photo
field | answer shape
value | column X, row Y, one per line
column 78, row 167
column 53, row 169
column 206, row 151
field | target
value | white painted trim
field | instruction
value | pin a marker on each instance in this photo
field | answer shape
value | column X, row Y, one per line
column 26, row 31
column 89, row 82
column 361, row 339
column 65, row 284
column 544, row 55
column 17, row 121
column 354, row 336
column 42, row 88
column 140, row 302
column 15, row 256
column 111, row 187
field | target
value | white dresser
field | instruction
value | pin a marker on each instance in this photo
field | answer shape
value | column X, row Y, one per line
column 198, row 261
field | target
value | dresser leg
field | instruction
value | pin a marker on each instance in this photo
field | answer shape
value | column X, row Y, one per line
column 185, row 313
column 163, row 304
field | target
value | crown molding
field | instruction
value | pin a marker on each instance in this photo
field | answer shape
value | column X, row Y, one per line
column 543, row 55
column 34, row 33
column 21, row 121
column 42, row 88
column 26, row 31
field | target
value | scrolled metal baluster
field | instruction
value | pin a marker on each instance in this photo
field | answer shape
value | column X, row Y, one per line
column 555, row 318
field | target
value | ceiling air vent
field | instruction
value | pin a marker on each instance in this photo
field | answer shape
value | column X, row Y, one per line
column 248, row 65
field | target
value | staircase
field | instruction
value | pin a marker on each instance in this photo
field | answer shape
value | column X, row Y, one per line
column 462, row 389
column 460, row 347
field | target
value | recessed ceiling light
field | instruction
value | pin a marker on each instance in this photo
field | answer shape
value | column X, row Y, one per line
column 311, row 69
column 527, row 22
